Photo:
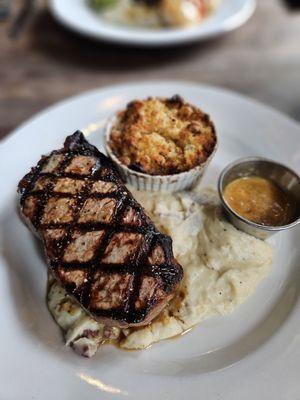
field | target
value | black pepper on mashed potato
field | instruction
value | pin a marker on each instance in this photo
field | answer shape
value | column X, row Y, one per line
column 159, row 136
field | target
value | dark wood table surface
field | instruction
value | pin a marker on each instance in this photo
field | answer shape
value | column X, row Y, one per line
column 48, row 63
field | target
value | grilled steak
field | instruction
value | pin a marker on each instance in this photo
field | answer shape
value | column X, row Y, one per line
column 99, row 243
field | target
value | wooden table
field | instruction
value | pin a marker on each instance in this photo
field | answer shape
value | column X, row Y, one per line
column 48, row 63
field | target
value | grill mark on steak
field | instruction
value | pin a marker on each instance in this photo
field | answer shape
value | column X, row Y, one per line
column 110, row 240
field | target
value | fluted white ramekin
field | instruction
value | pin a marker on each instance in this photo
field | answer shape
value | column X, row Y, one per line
column 155, row 183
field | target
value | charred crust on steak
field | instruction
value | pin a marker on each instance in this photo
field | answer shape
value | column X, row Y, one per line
column 100, row 244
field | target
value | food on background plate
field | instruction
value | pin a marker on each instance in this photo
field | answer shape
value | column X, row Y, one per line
column 222, row 268
column 161, row 143
column 260, row 200
column 155, row 13
column 100, row 245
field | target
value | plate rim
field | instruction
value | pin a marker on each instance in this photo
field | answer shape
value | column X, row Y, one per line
column 277, row 338
column 157, row 39
column 187, row 83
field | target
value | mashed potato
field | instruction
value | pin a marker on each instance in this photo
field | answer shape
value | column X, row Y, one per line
column 222, row 267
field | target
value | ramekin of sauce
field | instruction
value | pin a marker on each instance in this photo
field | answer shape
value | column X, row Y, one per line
column 260, row 196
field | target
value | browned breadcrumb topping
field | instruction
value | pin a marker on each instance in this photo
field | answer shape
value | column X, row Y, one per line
column 161, row 136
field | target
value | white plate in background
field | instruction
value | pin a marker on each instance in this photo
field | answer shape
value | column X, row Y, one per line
column 253, row 353
column 77, row 15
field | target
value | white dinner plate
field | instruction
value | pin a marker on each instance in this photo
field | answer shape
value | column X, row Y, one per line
column 253, row 353
column 76, row 14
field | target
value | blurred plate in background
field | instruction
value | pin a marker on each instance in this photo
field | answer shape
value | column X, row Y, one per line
column 76, row 14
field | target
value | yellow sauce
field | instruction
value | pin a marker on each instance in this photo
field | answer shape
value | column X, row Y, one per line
column 259, row 200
